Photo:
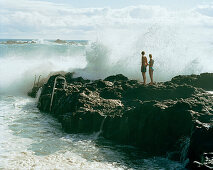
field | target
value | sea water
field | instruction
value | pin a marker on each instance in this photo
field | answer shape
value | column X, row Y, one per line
column 30, row 139
column 33, row 140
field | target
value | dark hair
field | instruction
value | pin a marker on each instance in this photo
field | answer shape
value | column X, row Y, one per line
column 150, row 55
column 142, row 52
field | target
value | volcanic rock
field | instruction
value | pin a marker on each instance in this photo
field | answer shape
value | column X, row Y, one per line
column 154, row 118
column 204, row 80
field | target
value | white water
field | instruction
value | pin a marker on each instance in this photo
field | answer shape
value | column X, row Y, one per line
column 20, row 64
column 38, row 94
column 173, row 55
column 33, row 140
column 101, row 128
column 210, row 92
column 184, row 150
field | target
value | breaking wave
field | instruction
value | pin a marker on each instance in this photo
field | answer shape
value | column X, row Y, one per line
column 20, row 63
column 174, row 54
column 180, row 43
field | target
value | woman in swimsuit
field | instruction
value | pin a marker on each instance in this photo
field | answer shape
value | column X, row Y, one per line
column 151, row 63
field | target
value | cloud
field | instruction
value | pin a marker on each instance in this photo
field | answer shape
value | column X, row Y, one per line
column 28, row 18
column 206, row 10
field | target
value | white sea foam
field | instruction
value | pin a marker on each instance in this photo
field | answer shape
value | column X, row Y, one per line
column 118, row 52
column 179, row 41
column 23, row 146
column 33, row 140
column 20, row 64
column 210, row 92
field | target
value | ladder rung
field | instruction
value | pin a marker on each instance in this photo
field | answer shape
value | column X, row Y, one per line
column 54, row 88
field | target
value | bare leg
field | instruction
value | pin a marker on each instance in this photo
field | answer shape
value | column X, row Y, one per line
column 144, row 77
column 151, row 76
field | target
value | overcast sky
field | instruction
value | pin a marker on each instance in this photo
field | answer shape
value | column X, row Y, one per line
column 124, row 3
column 81, row 19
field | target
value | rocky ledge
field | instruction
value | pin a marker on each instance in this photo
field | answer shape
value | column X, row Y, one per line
column 170, row 117
column 204, row 80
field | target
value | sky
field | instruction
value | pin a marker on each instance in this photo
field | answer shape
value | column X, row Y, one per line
column 125, row 3
column 83, row 19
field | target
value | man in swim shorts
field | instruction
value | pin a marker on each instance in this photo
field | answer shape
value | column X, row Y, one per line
column 143, row 66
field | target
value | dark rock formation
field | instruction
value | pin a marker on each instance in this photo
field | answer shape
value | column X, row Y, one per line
column 32, row 93
column 201, row 146
column 204, row 80
column 60, row 41
column 154, row 118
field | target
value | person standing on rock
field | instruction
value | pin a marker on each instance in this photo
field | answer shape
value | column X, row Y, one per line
column 143, row 66
column 151, row 63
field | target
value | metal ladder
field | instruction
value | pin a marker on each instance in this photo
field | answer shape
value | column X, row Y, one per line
column 54, row 88
column 36, row 84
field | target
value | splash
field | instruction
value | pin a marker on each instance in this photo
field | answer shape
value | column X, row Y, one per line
column 20, row 64
column 173, row 54
column 184, row 150
column 179, row 42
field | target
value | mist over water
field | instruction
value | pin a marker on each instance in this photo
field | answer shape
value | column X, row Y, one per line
column 175, row 49
column 20, row 63
column 179, row 41
column 173, row 53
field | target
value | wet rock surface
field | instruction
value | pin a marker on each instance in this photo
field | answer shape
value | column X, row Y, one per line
column 153, row 118
column 201, row 146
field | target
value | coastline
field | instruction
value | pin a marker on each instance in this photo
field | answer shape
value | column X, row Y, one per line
column 152, row 118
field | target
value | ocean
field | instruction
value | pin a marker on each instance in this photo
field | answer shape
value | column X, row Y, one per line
column 30, row 139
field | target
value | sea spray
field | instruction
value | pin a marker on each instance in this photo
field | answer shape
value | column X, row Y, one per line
column 102, row 125
column 179, row 41
column 173, row 53
column 38, row 94
column 114, row 52
column 101, row 128
column 21, row 62
column 184, row 150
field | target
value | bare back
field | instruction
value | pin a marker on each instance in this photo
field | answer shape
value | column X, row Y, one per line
column 144, row 61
